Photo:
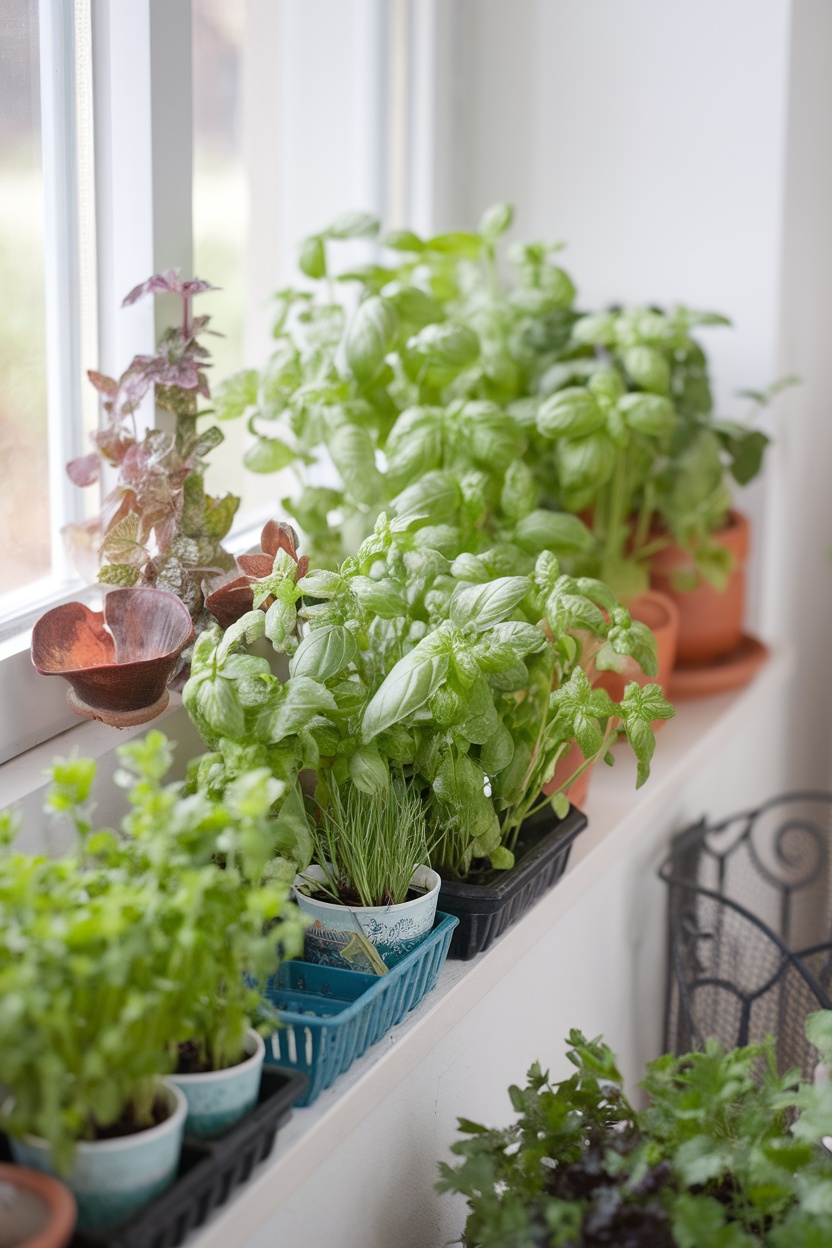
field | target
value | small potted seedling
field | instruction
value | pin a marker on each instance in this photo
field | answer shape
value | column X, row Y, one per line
column 235, row 924
column 124, row 957
column 88, row 980
column 371, row 896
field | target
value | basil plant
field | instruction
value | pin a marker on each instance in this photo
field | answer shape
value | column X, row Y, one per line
column 421, row 378
column 136, row 941
column 473, row 683
column 628, row 433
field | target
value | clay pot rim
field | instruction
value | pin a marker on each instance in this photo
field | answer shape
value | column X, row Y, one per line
column 134, row 665
column 57, row 1198
column 661, row 600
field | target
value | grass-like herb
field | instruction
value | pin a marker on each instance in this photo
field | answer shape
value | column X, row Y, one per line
column 370, row 844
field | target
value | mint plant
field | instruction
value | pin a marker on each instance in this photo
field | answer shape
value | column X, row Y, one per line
column 157, row 524
column 727, row 1152
column 169, row 913
column 472, row 682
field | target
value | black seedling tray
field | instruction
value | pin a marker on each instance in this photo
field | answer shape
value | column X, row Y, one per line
column 486, row 908
column 209, row 1170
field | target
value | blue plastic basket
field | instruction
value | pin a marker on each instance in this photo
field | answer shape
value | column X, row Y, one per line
column 329, row 1017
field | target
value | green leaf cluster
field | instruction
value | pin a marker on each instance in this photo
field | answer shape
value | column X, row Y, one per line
column 410, row 395
column 727, row 1152
column 462, row 385
column 138, row 940
column 470, row 682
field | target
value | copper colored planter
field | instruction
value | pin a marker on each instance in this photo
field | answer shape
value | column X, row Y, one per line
column 118, row 661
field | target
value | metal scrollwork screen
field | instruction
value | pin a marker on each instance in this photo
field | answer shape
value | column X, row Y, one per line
column 750, row 928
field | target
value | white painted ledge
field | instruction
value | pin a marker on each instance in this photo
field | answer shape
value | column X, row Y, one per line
column 617, row 816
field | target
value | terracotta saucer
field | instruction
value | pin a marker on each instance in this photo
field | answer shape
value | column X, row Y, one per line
column 732, row 671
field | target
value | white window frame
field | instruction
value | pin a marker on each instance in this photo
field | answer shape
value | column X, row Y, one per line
column 143, row 146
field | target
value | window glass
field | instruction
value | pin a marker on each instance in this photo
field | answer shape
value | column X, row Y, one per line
column 24, row 475
column 220, row 223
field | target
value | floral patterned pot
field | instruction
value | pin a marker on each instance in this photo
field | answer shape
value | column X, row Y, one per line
column 112, row 1179
column 366, row 938
column 217, row 1098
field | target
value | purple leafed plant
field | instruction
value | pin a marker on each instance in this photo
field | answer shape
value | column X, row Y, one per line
column 157, row 525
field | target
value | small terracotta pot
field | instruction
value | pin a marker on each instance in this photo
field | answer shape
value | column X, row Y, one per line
column 659, row 613
column 567, row 766
column 710, row 623
column 45, row 1214
column 118, row 661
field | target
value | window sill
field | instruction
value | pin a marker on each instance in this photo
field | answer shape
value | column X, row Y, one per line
column 618, row 819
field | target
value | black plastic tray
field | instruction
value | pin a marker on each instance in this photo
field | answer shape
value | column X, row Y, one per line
column 486, row 908
column 209, row 1170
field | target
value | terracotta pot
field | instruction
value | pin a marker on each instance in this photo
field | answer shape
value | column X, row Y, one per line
column 36, row 1211
column 119, row 660
column 659, row 613
column 571, row 761
column 710, row 624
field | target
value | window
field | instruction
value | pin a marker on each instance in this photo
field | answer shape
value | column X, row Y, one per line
column 46, row 276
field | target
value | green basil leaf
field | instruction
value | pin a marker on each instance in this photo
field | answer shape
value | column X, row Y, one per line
column 436, row 497
column 298, row 701
column 268, row 455
column 489, row 604
column 312, row 259
column 324, row 652
column 554, row 531
column 573, row 413
column 368, row 770
column 352, row 452
column 586, row 463
column 648, row 368
column 407, row 687
column 369, row 337
column 648, row 413
column 495, row 221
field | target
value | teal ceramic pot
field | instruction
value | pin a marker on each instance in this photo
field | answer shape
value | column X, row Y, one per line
column 112, row 1179
column 217, row 1098
column 366, row 938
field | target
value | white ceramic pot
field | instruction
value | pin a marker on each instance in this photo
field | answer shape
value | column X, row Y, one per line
column 217, row 1098
column 112, row 1179
column 356, row 937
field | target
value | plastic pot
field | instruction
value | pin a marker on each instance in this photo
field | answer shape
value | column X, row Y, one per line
column 487, row 906
column 218, row 1098
column 112, row 1179
column 35, row 1210
column 710, row 621
column 356, row 937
